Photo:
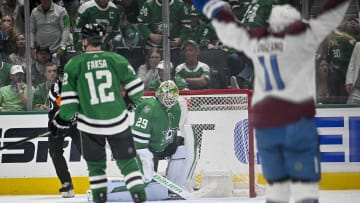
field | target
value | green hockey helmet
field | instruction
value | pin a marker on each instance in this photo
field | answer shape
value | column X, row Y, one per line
column 167, row 93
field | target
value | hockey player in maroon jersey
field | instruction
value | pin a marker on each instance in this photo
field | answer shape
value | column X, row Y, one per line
column 283, row 106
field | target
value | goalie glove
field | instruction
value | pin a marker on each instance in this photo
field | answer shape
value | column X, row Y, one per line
column 147, row 162
column 58, row 127
column 218, row 9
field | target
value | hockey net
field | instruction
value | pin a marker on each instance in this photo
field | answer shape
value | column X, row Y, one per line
column 225, row 145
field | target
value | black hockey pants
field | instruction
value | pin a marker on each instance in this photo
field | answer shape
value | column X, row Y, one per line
column 56, row 145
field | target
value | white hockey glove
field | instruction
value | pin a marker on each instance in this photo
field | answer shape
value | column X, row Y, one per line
column 147, row 162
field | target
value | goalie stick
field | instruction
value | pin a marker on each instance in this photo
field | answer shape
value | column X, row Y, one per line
column 11, row 144
column 181, row 191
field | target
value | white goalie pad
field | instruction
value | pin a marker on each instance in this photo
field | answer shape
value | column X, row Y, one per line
column 117, row 191
column 181, row 166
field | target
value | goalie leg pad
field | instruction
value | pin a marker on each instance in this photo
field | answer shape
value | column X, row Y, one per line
column 278, row 192
column 176, row 168
column 183, row 162
column 117, row 191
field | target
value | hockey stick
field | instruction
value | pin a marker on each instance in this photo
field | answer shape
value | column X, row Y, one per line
column 11, row 144
column 181, row 191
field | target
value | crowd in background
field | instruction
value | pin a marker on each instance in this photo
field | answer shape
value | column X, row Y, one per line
column 134, row 29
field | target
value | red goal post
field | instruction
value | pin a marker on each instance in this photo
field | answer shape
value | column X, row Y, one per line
column 220, row 122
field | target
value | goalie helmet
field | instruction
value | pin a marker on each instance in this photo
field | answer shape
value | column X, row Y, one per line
column 282, row 16
column 167, row 93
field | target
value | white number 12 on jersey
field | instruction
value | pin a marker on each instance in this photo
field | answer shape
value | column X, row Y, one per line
column 98, row 94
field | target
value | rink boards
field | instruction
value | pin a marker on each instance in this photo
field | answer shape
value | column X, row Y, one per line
column 27, row 168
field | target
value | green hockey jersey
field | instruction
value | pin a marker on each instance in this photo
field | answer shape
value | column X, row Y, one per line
column 257, row 13
column 150, row 19
column 179, row 81
column 201, row 69
column 90, row 12
column 92, row 85
column 155, row 126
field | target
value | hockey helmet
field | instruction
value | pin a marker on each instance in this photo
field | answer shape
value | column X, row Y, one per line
column 167, row 93
column 92, row 30
column 282, row 16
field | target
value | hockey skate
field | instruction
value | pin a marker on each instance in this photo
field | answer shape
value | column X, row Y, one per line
column 67, row 190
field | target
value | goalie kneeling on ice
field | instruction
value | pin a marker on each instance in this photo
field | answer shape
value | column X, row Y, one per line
column 117, row 191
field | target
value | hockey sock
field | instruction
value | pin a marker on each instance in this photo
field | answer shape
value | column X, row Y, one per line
column 133, row 178
column 98, row 179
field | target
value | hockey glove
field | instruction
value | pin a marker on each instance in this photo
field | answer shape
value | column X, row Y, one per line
column 209, row 8
column 172, row 147
column 218, row 9
column 147, row 163
column 58, row 127
column 130, row 105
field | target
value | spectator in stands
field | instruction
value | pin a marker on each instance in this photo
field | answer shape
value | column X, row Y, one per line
column 13, row 97
column 15, row 9
column 42, row 57
column 148, row 71
column 129, row 43
column 322, row 83
column 8, row 31
column 155, row 83
column 352, row 76
column 2, row 51
column 201, row 32
column 71, row 7
column 50, row 24
column 103, row 12
column 352, row 27
column 151, row 27
column 195, row 72
column 4, row 73
column 340, row 46
column 239, row 7
column 131, row 9
column 18, row 57
column 41, row 100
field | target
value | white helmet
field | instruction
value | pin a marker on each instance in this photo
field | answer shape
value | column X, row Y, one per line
column 282, row 16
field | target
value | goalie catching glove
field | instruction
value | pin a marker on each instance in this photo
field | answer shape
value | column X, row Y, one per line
column 147, row 162
column 58, row 127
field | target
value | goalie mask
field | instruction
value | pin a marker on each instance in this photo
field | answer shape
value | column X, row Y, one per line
column 167, row 93
column 282, row 16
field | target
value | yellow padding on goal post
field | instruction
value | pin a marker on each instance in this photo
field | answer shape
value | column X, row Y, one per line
column 25, row 186
column 333, row 181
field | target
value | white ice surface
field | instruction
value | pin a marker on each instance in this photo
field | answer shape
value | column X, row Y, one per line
column 328, row 196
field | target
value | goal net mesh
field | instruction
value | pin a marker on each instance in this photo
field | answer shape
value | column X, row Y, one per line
column 219, row 120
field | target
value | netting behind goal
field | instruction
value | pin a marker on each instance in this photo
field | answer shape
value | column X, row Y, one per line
column 225, row 145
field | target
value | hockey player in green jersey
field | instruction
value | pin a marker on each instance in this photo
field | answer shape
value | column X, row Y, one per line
column 159, row 133
column 91, row 92
column 103, row 12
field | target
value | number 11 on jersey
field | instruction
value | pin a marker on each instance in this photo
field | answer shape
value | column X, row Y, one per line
column 272, row 71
